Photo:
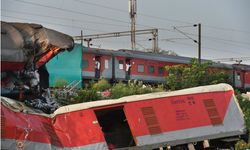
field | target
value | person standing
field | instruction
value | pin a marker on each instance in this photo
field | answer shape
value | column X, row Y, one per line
column 97, row 68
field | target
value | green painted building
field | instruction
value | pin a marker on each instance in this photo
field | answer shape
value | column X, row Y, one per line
column 66, row 66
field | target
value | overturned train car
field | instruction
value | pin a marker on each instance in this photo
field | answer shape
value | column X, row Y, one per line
column 207, row 113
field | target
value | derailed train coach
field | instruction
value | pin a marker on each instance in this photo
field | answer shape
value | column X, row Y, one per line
column 207, row 114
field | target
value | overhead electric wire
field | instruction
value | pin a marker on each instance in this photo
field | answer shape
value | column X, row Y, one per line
column 233, row 43
column 102, row 6
column 232, row 59
column 140, row 45
column 137, row 43
column 77, row 12
column 211, row 37
column 116, row 20
column 183, row 33
column 125, row 11
column 62, row 18
column 227, row 29
column 171, row 39
column 161, row 18
column 70, row 26
column 71, row 11
column 209, row 48
column 59, row 24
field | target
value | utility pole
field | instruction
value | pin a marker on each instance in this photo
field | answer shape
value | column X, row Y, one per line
column 155, row 37
column 155, row 40
column 199, row 38
column 81, row 38
column 199, row 43
column 132, row 14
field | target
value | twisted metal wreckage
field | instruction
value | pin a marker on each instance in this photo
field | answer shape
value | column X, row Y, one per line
column 25, row 50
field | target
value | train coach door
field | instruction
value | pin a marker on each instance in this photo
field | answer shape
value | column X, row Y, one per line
column 97, row 67
column 128, row 69
column 115, row 127
column 237, row 79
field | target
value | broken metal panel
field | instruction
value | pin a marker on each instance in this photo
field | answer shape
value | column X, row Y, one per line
column 28, row 128
column 24, row 49
column 28, row 43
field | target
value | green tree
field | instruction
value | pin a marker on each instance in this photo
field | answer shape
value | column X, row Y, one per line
column 180, row 76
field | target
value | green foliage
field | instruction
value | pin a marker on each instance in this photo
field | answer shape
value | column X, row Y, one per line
column 60, row 83
column 101, row 85
column 242, row 145
column 79, row 96
column 180, row 77
column 119, row 90
column 87, row 95
column 245, row 106
column 92, row 91
column 133, row 88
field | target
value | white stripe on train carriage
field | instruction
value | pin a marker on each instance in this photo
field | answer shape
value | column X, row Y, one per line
column 233, row 125
column 29, row 145
column 88, row 73
column 247, row 85
column 147, row 78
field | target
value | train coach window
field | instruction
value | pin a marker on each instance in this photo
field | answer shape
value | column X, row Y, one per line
column 238, row 76
column 160, row 70
column 151, row 69
column 106, row 64
column 85, row 63
column 140, row 68
column 121, row 64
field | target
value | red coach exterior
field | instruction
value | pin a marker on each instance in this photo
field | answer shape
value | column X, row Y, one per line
column 148, row 67
column 150, row 121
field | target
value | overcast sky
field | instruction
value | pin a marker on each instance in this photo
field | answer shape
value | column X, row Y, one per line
column 225, row 23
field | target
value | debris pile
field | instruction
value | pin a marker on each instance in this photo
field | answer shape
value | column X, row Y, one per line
column 26, row 48
column 45, row 102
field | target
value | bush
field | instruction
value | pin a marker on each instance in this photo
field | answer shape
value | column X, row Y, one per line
column 101, row 85
column 77, row 96
column 245, row 106
column 87, row 95
column 241, row 145
column 60, row 83
column 119, row 90
column 132, row 88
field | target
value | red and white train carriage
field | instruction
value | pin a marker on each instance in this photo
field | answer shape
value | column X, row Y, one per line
column 147, row 67
column 208, row 113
